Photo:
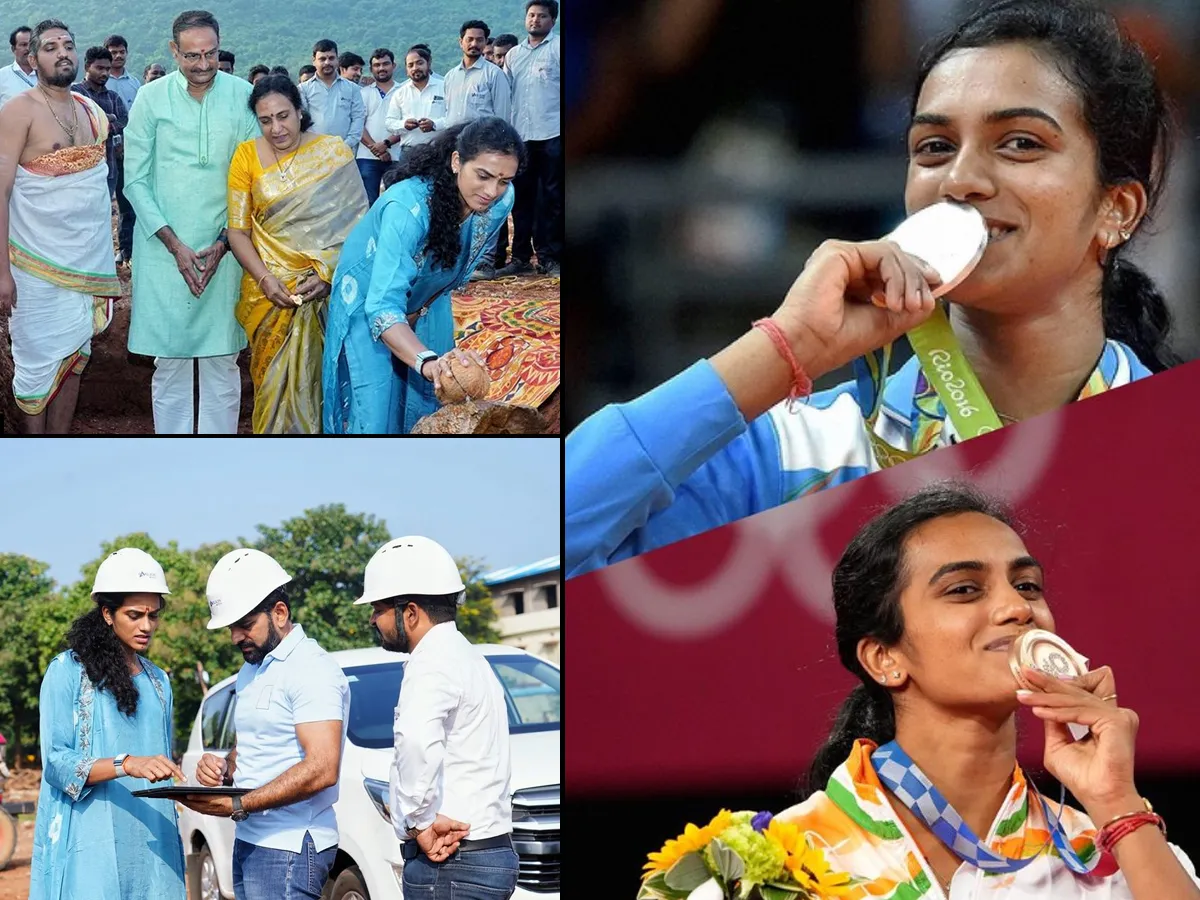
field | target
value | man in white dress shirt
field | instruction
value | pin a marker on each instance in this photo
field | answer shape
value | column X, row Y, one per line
column 416, row 103
column 375, row 154
column 450, row 797
column 19, row 77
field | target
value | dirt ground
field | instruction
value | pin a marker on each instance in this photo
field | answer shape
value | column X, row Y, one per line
column 114, row 394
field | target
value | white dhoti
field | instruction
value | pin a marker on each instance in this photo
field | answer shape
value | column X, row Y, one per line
column 60, row 249
column 171, row 392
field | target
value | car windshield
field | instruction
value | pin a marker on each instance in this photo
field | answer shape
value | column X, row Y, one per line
column 531, row 693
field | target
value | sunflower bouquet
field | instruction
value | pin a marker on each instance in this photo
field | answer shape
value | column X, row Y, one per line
column 742, row 856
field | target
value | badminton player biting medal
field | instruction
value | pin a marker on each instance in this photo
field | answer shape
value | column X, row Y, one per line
column 1037, row 136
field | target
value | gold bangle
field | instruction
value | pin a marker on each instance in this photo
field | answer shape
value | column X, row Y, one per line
column 1129, row 815
column 261, row 277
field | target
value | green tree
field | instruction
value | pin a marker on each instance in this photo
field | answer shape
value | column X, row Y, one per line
column 477, row 616
column 26, row 599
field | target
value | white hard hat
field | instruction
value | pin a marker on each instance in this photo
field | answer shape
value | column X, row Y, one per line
column 410, row 565
column 130, row 571
column 240, row 581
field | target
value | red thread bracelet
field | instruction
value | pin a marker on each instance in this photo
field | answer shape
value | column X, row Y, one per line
column 802, row 385
column 1123, row 826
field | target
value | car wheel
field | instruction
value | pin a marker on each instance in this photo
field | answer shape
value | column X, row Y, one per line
column 350, row 885
column 207, row 886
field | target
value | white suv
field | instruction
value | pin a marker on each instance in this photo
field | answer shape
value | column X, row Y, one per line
column 368, row 859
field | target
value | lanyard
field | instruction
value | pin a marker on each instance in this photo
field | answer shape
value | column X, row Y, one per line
column 912, row 788
column 949, row 373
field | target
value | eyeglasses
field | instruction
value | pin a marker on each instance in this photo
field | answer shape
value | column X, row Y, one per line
column 209, row 56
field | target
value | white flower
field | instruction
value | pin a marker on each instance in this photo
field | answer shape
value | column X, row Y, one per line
column 56, row 828
column 710, row 890
column 349, row 289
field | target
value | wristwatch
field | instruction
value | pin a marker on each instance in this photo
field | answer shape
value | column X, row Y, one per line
column 119, row 763
column 238, row 814
column 223, row 237
column 413, row 831
column 423, row 357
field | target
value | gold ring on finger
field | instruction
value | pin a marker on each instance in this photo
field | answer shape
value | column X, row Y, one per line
column 1109, row 697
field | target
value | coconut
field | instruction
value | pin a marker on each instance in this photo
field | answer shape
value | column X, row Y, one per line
column 462, row 380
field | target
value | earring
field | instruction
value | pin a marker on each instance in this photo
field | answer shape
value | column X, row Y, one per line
column 883, row 679
column 895, row 674
column 1125, row 234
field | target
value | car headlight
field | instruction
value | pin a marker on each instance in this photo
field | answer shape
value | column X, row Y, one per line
column 379, row 792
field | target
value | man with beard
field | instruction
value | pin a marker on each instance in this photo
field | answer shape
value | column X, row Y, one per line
column 416, row 103
column 293, row 705
column 375, row 153
column 57, row 279
column 451, row 758
column 97, row 63
column 533, row 65
column 335, row 104
column 182, row 133
column 475, row 88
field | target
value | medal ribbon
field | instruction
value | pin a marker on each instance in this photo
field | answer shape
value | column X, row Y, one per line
column 947, row 371
column 910, row 785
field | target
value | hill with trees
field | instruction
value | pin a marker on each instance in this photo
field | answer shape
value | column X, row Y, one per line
column 275, row 34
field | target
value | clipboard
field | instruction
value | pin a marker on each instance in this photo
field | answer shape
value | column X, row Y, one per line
column 177, row 792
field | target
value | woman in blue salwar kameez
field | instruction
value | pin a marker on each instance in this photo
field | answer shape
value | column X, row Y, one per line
column 106, row 714
column 390, row 320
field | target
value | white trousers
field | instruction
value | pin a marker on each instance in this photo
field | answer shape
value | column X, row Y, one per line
column 171, row 392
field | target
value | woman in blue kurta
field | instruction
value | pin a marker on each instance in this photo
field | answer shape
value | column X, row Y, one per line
column 106, row 715
column 390, row 318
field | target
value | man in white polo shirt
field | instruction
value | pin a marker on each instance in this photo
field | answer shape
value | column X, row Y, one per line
column 450, row 798
column 292, row 706
column 19, row 77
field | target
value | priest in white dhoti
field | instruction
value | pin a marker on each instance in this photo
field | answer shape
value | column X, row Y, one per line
column 59, row 279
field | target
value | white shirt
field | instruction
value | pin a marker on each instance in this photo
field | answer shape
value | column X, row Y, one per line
column 410, row 103
column 377, row 111
column 297, row 682
column 452, row 744
column 13, row 81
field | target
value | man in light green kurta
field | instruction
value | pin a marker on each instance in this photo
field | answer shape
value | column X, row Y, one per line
column 181, row 137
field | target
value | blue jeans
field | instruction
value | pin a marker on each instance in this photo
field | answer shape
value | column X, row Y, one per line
column 372, row 171
column 260, row 873
column 467, row 875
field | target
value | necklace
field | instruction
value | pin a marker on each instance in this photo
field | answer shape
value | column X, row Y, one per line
column 285, row 172
column 70, row 132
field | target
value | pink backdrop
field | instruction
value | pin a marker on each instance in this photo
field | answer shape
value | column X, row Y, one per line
column 711, row 662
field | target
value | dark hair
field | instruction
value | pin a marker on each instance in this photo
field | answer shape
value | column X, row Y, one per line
column 325, row 45
column 422, row 51
column 259, row 69
column 279, row 595
column 35, row 36
column 194, row 18
column 551, row 7
column 867, row 582
column 381, row 52
column 350, row 58
column 439, row 607
column 95, row 53
column 12, row 38
column 98, row 648
column 1128, row 116
column 115, row 40
column 432, row 161
column 306, row 70
column 280, row 70
column 226, row 56
column 285, row 87
column 474, row 23
column 506, row 40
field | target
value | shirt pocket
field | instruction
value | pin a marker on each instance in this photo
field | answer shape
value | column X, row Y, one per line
column 264, row 697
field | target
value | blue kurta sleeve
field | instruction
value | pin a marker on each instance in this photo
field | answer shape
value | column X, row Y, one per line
column 675, row 462
column 394, row 271
column 66, row 766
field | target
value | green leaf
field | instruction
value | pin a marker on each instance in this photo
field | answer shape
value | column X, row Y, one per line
column 730, row 866
column 688, row 873
column 775, row 892
column 1012, row 823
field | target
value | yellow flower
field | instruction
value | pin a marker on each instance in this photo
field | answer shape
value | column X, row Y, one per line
column 806, row 862
column 691, row 840
column 813, row 872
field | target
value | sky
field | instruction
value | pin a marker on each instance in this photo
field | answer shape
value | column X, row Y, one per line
column 493, row 498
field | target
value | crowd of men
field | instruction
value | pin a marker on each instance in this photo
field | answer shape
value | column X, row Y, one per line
column 379, row 116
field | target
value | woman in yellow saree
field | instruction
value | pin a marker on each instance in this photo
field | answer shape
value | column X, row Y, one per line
column 293, row 198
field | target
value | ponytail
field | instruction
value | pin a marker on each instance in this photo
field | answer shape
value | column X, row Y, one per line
column 1136, row 314
column 866, row 713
